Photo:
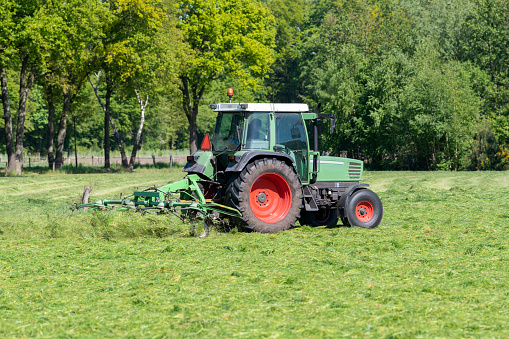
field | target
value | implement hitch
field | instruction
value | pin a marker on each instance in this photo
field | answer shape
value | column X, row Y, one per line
column 184, row 198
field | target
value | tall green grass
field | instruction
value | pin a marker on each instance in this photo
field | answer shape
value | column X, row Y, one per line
column 436, row 267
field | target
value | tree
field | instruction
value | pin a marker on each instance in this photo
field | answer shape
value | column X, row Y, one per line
column 284, row 83
column 356, row 67
column 442, row 111
column 139, row 58
column 484, row 42
column 484, row 149
column 83, row 28
column 141, row 41
column 28, row 32
column 224, row 38
column 397, row 105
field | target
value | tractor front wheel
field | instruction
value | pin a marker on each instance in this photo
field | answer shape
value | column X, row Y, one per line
column 268, row 194
column 364, row 209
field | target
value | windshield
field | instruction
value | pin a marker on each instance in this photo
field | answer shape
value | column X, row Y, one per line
column 226, row 134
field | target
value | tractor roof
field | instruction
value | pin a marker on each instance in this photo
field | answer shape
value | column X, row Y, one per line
column 256, row 107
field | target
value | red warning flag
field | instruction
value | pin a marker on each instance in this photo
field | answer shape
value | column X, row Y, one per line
column 205, row 145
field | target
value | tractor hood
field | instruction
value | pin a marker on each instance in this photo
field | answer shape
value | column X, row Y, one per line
column 330, row 168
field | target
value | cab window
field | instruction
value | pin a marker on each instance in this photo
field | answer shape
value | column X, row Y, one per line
column 258, row 131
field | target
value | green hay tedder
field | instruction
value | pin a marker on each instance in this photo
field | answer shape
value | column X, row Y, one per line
column 259, row 172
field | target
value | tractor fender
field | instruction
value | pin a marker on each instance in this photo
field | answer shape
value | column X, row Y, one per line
column 200, row 165
column 250, row 156
column 343, row 201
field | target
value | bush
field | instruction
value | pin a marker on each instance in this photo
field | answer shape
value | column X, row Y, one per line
column 485, row 150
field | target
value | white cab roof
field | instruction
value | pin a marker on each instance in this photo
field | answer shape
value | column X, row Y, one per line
column 268, row 107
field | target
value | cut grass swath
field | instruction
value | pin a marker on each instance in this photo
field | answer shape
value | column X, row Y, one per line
column 436, row 267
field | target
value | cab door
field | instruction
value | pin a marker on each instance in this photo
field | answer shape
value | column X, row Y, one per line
column 291, row 138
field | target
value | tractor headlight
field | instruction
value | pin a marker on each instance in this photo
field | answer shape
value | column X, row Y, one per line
column 234, row 158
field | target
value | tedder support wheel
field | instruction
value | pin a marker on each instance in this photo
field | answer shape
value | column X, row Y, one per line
column 364, row 209
column 322, row 217
column 268, row 194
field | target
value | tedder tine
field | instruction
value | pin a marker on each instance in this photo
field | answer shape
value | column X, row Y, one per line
column 183, row 198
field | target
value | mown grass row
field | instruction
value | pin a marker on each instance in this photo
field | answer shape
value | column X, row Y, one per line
column 436, row 267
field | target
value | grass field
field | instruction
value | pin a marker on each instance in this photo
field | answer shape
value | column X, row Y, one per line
column 436, row 267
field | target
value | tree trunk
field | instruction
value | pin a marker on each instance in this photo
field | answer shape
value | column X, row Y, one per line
column 120, row 144
column 193, row 133
column 26, row 80
column 9, row 140
column 51, row 127
column 191, row 101
column 136, row 144
column 109, row 91
column 62, row 129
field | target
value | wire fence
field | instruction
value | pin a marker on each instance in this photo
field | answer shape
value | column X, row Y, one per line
column 36, row 160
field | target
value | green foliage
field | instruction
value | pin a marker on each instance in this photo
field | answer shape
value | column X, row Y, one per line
column 409, row 80
column 440, row 21
column 443, row 111
column 140, row 46
column 83, row 23
column 290, row 17
column 225, row 38
column 503, row 154
column 420, row 274
column 484, row 42
column 401, row 102
column 486, row 153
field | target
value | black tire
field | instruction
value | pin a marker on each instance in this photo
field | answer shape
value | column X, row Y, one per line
column 364, row 209
column 345, row 222
column 322, row 217
column 282, row 196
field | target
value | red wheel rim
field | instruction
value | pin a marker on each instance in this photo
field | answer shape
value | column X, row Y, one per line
column 364, row 211
column 270, row 197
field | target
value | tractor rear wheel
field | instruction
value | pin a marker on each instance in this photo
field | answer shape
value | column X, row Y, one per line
column 364, row 209
column 268, row 194
column 322, row 217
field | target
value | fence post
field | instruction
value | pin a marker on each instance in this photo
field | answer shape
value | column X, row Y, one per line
column 92, row 160
column 171, row 163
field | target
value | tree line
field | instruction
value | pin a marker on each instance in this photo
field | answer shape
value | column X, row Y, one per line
column 414, row 84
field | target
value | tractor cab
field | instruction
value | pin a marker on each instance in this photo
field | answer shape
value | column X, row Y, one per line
column 256, row 129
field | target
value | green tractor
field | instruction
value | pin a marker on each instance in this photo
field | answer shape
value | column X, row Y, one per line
column 259, row 172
